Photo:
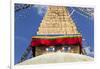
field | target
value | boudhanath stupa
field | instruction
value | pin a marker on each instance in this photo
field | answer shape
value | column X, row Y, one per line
column 57, row 39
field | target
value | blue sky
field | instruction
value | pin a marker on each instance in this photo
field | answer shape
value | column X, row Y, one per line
column 28, row 20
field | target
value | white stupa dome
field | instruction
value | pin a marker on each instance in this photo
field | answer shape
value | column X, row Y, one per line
column 58, row 57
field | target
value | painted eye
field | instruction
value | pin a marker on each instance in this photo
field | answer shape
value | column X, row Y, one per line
column 50, row 49
column 66, row 49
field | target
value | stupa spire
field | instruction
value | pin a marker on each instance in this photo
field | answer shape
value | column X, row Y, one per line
column 57, row 21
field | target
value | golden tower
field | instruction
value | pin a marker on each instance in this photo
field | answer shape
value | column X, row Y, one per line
column 57, row 21
column 57, row 31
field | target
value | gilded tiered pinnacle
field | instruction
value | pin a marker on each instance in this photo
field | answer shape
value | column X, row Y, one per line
column 57, row 21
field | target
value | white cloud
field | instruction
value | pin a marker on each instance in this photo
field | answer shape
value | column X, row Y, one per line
column 41, row 9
